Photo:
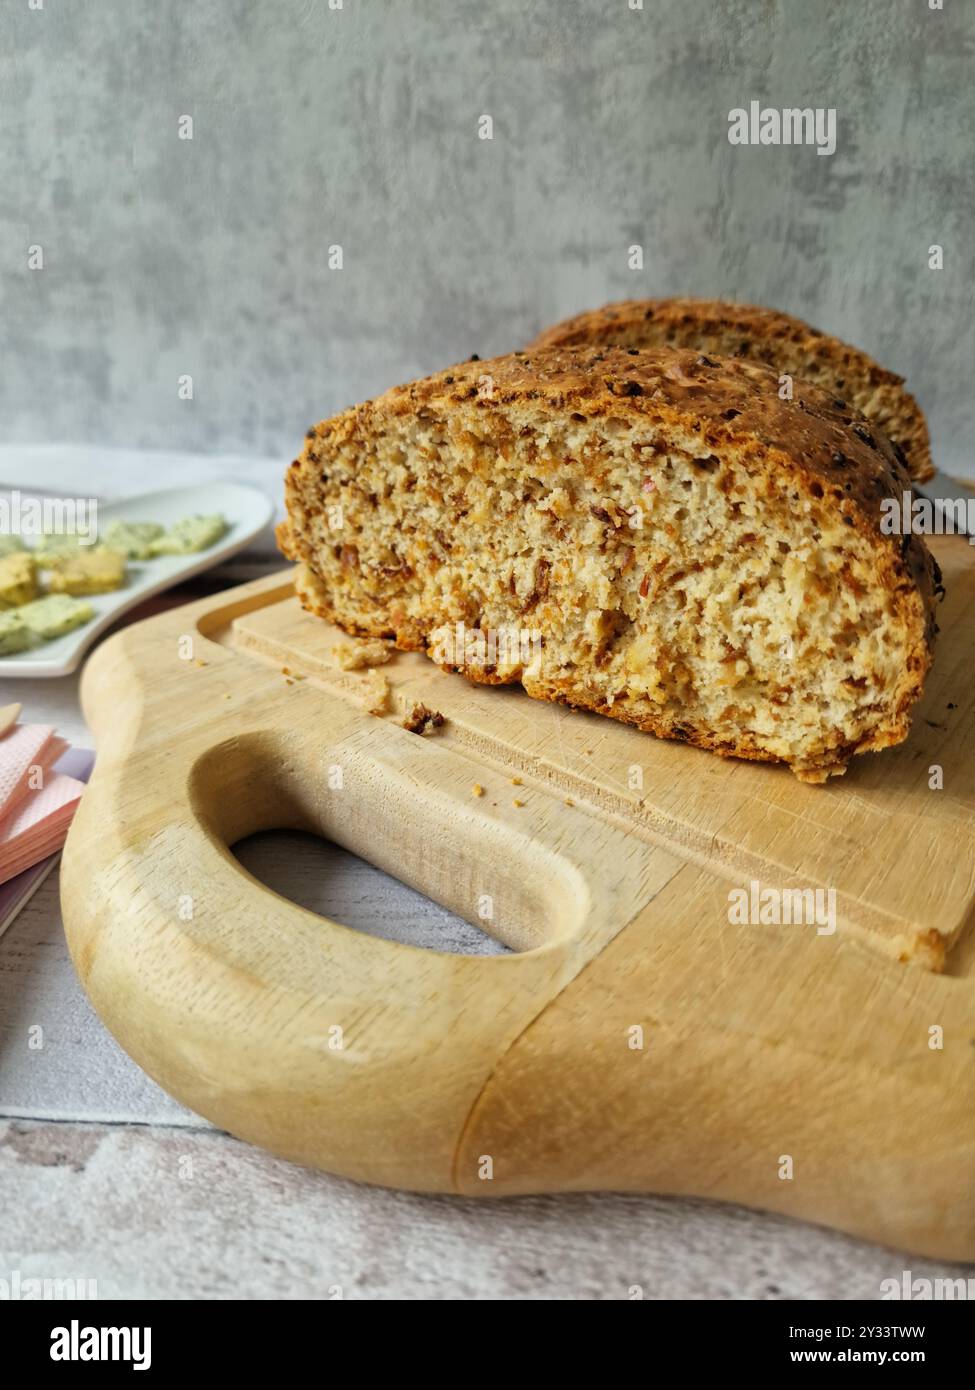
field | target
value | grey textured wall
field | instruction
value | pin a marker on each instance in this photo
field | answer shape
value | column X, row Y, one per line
column 358, row 127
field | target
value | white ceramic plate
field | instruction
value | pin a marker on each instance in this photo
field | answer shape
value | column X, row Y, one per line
column 246, row 512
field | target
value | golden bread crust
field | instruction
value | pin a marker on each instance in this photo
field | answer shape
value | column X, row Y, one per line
column 758, row 334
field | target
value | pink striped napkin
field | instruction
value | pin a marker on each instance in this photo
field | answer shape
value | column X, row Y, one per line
column 39, row 825
column 17, row 891
column 36, row 803
column 26, row 746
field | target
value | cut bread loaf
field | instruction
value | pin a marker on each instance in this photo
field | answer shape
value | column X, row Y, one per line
column 651, row 534
column 761, row 335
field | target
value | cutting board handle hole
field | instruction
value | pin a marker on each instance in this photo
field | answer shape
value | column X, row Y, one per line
column 324, row 878
column 507, row 885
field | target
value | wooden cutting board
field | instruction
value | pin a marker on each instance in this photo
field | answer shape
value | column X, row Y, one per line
column 636, row 1038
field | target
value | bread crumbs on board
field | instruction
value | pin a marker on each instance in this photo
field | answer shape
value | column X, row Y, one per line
column 354, row 656
column 422, row 720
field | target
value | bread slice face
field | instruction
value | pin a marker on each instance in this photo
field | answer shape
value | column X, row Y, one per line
column 761, row 335
column 652, row 534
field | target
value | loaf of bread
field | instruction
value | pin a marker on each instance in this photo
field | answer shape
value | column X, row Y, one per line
column 784, row 343
column 652, row 534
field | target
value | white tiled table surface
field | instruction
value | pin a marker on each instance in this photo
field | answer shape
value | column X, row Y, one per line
column 103, row 1176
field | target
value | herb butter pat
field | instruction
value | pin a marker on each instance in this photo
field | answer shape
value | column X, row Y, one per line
column 53, row 616
column 133, row 538
column 87, row 572
column 191, row 534
column 64, row 543
column 15, row 635
column 18, row 580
